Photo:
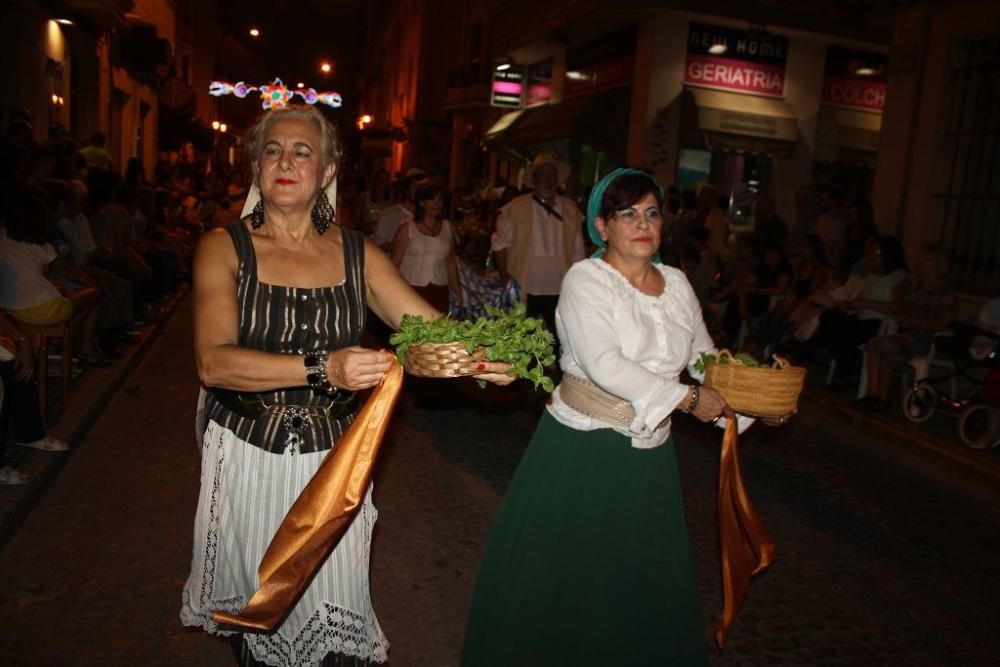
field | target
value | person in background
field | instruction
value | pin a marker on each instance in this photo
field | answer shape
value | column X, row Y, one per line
column 374, row 200
column 390, row 218
column 539, row 236
column 94, row 153
column 769, row 228
column 714, row 221
column 423, row 248
column 27, row 255
column 859, row 228
column 857, row 320
column 929, row 307
column 831, row 225
column 19, row 400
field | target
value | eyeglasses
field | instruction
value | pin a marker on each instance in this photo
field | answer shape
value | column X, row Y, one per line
column 631, row 216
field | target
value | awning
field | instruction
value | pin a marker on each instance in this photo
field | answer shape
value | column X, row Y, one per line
column 745, row 122
column 846, row 130
column 598, row 119
column 504, row 122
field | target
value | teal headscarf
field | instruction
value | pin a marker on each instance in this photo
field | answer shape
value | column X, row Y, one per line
column 594, row 204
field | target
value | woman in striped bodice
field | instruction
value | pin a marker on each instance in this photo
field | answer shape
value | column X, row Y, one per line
column 280, row 300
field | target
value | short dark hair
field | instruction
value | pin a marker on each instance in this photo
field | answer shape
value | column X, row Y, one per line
column 893, row 257
column 29, row 218
column 424, row 193
column 626, row 190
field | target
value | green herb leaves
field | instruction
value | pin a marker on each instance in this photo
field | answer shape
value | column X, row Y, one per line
column 511, row 337
column 741, row 357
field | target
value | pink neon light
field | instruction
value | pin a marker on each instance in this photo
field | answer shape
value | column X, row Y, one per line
column 507, row 87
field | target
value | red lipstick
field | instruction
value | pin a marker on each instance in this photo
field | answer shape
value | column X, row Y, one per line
column 643, row 239
column 285, row 181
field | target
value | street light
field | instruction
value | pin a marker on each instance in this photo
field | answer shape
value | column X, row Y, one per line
column 325, row 68
column 222, row 127
column 300, row 85
column 254, row 32
column 64, row 21
column 215, row 125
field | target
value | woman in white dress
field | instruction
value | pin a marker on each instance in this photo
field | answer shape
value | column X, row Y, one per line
column 424, row 248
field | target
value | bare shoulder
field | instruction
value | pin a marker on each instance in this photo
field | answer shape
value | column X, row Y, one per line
column 215, row 249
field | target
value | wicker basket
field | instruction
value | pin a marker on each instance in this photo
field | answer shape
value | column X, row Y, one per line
column 443, row 360
column 759, row 392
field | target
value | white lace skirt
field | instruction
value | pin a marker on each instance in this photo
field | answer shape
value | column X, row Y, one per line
column 245, row 493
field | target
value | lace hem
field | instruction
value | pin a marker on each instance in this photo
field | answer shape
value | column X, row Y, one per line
column 330, row 629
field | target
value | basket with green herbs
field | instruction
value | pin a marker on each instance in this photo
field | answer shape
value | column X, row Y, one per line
column 444, row 347
column 753, row 388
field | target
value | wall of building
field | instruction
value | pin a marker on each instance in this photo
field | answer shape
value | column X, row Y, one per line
column 918, row 98
column 37, row 64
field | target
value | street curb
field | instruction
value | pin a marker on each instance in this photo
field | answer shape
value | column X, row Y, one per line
column 43, row 478
column 925, row 441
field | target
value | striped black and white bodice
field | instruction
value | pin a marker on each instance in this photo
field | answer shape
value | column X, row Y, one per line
column 294, row 320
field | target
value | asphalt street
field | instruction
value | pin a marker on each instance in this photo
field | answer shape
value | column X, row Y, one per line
column 887, row 554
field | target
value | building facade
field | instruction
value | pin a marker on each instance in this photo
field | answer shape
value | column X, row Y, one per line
column 938, row 177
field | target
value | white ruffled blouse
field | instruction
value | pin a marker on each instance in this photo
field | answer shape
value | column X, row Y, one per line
column 630, row 344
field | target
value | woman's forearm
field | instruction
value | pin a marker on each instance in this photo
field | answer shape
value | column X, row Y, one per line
column 242, row 369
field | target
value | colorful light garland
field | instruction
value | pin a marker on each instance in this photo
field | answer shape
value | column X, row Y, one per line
column 274, row 95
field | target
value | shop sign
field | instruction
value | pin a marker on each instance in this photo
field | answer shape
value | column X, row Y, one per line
column 539, row 86
column 508, row 87
column 743, row 61
column 854, row 79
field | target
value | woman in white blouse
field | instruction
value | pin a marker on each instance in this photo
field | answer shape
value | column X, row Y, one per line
column 589, row 561
column 423, row 248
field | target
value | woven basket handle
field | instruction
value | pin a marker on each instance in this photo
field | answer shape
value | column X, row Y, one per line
column 724, row 353
column 780, row 363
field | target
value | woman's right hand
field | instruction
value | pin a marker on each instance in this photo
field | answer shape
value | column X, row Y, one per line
column 711, row 405
column 356, row 368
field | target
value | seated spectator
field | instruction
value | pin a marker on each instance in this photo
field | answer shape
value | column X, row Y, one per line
column 115, row 311
column 20, row 401
column 26, row 258
column 854, row 321
column 929, row 307
column 812, row 275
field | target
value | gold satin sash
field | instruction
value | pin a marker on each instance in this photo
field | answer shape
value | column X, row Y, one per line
column 320, row 515
column 746, row 546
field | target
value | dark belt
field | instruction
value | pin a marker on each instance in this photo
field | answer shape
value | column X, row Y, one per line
column 252, row 406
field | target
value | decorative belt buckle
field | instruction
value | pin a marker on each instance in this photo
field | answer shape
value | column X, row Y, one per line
column 295, row 420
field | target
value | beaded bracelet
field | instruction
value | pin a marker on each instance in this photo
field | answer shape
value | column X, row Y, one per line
column 695, row 398
column 315, row 363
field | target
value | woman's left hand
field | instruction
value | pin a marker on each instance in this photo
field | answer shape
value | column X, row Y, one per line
column 495, row 372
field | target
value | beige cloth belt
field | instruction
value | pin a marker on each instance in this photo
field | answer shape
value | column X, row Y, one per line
column 587, row 398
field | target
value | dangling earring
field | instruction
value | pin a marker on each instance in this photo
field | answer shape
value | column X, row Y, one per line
column 323, row 214
column 257, row 215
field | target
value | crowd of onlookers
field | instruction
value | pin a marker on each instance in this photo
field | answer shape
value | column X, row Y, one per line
column 829, row 290
column 88, row 251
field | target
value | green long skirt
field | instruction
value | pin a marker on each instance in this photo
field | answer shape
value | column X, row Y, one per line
column 589, row 561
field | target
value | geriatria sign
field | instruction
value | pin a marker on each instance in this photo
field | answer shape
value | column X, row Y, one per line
column 744, row 61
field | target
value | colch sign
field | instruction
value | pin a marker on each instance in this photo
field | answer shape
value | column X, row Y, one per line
column 737, row 60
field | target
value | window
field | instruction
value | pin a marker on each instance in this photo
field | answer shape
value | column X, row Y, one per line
column 965, row 207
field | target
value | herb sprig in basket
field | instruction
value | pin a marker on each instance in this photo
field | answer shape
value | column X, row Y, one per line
column 511, row 337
